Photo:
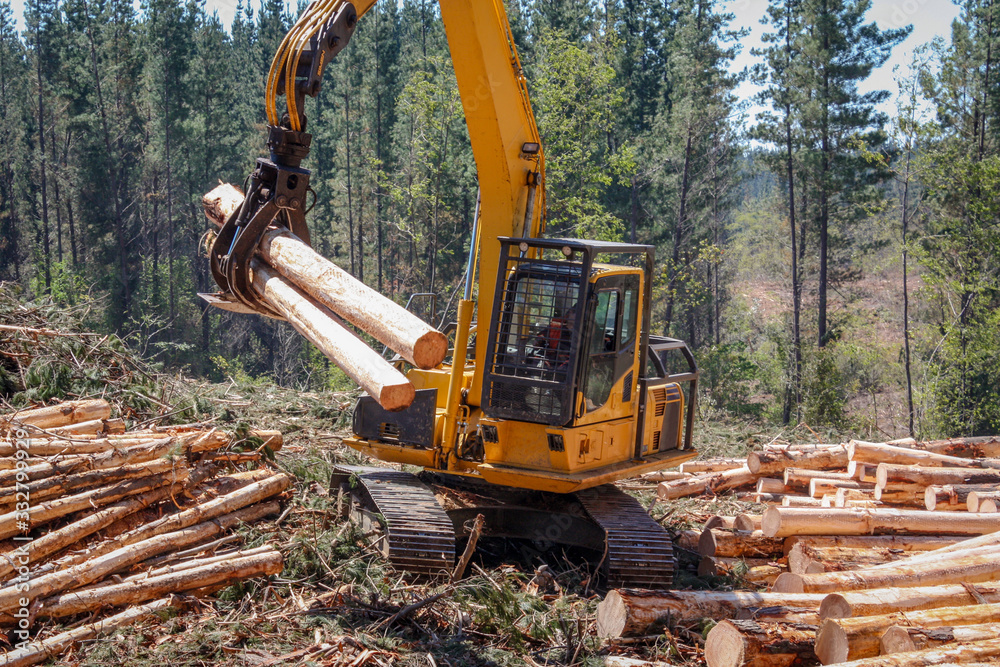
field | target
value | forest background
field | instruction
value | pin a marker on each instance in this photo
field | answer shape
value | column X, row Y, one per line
column 829, row 263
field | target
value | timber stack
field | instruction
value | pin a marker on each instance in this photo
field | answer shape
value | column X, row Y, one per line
column 121, row 525
column 867, row 553
column 317, row 297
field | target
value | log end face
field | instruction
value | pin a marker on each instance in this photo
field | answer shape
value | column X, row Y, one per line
column 221, row 201
column 770, row 523
column 753, row 462
column 835, row 605
column 972, row 502
column 788, row 583
column 744, row 523
column 896, row 640
column 881, row 476
column 831, row 643
column 430, row 349
column 396, row 397
column 611, row 616
column 706, row 543
column 930, row 498
column 724, row 646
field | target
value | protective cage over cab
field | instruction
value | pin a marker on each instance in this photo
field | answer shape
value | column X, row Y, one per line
column 569, row 345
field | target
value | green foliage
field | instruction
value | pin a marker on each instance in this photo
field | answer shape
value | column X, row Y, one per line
column 824, row 389
column 730, row 375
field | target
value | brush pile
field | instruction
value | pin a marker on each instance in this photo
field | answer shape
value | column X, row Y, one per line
column 94, row 520
column 881, row 553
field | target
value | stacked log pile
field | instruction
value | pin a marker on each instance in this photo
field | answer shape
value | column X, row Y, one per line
column 316, row 296
column 880, row 553
column 121, row 525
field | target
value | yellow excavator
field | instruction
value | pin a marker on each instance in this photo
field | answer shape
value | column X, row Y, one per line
column 555, row 386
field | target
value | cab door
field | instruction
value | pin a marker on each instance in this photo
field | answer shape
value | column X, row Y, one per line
column 607, row 374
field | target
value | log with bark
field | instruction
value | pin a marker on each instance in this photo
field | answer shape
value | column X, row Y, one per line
column 974, row 654
column 851, row 604
column 946, row 569
column 977, row 447
column 773, row 485
column 714, row 542
column 843, row 639
column 800, row 501
column 905, row 543
column 39, row 651
column 627, row 612
column 317, row 324
column 806, row 559
column 716, row 464
column 713, row 482
column 789, row 521
column 878, row 453
column 332, row 287
column 62, row 414
column 735, row 643
column 900, row 639
column 888, row 473
column 952, row 497
column 775, row 462
column 237, row 567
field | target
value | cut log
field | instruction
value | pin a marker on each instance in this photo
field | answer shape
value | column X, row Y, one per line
column 886, row 600
column 767, row 498
column 779, row 615
column 877, row 453
column 959, row 568
column 720, row 522
column 380, row 317
column 800, row 501
column 733, row 643
column 92, row 427
column 714, row 542
column 774, row 462
column 975, row 654
column 94, row 569
column 798, row 478
column 952, row 497
column 13, row 523
column 788, row 521
column 330, row 286
column 626, row 612
column 54, row 486
column 361, row 363
column 664, row 476
column 42, row 651
column 806, row 559
column 983, row 501
column 907, row 495
column 978, row 447
column 717, row 566
column 843, row 639
column 206, row 511
column 155, row 449
column 236, row 568
column 70, row 412
column 688, row 539
column 773, row 485
column 904, row 543
column 887, row 473
column 714, row 482
column 747, row 523
column 819, row 487
column 56, row 540
column 900, row 639
column 717, row 464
